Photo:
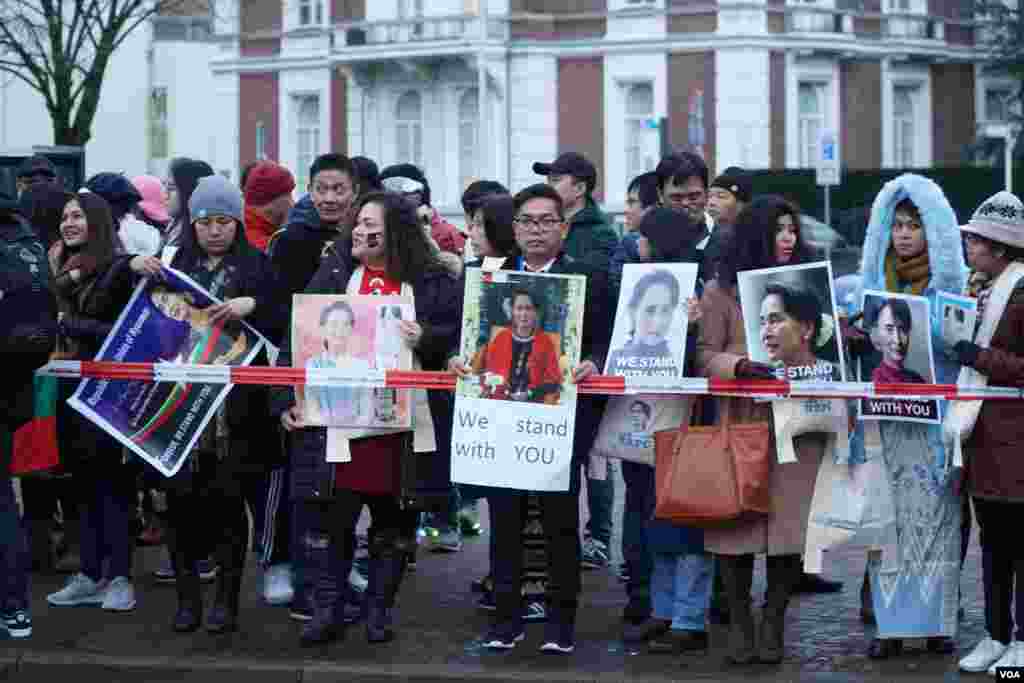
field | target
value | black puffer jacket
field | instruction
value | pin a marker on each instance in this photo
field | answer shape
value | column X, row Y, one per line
column 249, row 274
column 299, row 246
column 29, row 314
column 437, row 311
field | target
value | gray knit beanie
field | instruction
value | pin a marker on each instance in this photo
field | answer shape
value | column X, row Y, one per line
column 215, row 196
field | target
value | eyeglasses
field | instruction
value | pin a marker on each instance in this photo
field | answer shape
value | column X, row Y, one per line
column 543, row 224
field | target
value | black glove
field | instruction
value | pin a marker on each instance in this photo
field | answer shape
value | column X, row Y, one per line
column 967, row 352
column 750, row 369
column 855, row 340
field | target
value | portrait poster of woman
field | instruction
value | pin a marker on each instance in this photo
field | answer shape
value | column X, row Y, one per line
column 789, row 315
column 899, row 328
column 165, row 322
column 649, row 339
column 358, row 334
column 521, row 334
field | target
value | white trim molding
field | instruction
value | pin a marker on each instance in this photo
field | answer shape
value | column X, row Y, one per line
column 917, row 76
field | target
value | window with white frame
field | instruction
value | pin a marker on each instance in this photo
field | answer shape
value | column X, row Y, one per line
column 307, row 134
column 811, row 110
column 311, row 12
column 261, row 141
column 409, row 129
column 997, row 104
column 695, row 121
column 158, row 132
column 815, row 22
column 469, row 134
column 411, row 9
column 903, row 120
column 641, row 136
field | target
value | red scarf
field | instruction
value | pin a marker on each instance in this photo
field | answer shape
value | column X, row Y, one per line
column 887, row 374
column 258, row 229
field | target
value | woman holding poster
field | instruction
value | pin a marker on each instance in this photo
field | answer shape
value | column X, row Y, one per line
column 240, row 443
column 913, row 246
column 387, row 254
column 670, row 574
column 992, row 431
column 767, row 235
column 93, row 285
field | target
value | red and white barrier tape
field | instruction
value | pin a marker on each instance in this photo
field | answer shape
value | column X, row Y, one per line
column 600, row 384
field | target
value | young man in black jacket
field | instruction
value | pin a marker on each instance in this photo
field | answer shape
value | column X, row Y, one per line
column 541, row 231
column 296, row 252
column 29, row 312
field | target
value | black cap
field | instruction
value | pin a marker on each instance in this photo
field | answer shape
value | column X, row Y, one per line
column 736, row 180
column 36, row 165
column 570, row 163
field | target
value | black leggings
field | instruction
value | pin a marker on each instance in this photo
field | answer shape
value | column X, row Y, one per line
column 1002, row 560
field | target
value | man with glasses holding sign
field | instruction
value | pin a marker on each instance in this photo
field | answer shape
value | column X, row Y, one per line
column 541, row 233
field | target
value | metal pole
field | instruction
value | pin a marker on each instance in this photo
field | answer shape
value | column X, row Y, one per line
column 482, row 146
column 828, row 205
column 1008, row 157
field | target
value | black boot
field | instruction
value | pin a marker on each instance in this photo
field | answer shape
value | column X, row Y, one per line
column 190, row 600
column 784, row 572
column 223, row 616
column 867, row 607
column 718, row 612
column 328, row 623
column 387, row 563
column 737, row 577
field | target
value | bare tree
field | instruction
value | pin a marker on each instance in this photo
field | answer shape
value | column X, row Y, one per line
column 62, row 48
column 1000, row 35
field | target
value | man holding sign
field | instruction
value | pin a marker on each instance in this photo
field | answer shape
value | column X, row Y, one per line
column 540, row 231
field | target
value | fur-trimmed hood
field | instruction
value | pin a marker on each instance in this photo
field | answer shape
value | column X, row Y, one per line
column 945, row 250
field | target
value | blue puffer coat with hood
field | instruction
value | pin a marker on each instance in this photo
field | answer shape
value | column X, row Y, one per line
column 915, row 586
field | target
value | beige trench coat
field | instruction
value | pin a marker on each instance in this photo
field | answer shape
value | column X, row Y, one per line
column 721, row 343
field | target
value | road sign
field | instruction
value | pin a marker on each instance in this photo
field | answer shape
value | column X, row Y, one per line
column 827, row 166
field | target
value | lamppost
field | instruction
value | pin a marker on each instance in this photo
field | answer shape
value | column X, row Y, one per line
column 1008, row 132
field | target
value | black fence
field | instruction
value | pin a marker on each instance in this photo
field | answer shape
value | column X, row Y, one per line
column 966, row 187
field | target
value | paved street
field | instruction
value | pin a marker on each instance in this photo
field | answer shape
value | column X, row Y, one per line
column 439, row 630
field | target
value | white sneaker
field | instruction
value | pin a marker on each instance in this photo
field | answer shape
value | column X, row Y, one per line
column 277, row 585
column 984, row 655
column 120, row 595
column 357, row 581
column 1014, row 656
column 79, row 590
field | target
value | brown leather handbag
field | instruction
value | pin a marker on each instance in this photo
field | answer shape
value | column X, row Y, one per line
column 708, row 475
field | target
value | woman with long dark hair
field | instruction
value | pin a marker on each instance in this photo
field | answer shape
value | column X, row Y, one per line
column 767, row 235
column 241, row 444
column 388, row 254
column 179, row 185
column 93, row 286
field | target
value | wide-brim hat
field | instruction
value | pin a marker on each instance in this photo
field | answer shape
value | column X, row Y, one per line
column 1000, row 218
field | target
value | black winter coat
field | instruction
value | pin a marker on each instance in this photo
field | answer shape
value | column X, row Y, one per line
column 297, row 249
column 437, row 294
column 253, row 431
column 29, row 314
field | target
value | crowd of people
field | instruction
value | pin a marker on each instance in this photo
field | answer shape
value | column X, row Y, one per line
column 71, row 260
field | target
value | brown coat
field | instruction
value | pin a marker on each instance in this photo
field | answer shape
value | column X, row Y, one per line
column 721, row 343
column 995, row 460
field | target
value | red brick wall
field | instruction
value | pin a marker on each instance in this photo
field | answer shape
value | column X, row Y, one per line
column 258, row 102
column 339, row 113
column 258, row 18
column 581, row 111
column 953, row 115
column 688, row 74
column 777, row 102
column 860, row 97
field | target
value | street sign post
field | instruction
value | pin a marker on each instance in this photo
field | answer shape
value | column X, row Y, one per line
column 827, row 168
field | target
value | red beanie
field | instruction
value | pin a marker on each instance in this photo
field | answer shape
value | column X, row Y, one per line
column 266, row 182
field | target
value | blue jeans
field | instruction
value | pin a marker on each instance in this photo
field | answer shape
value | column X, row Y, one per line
column 13, row 549
column 681, row 588
column 639, row 509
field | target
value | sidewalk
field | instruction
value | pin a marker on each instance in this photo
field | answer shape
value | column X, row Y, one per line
column 438, row 638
